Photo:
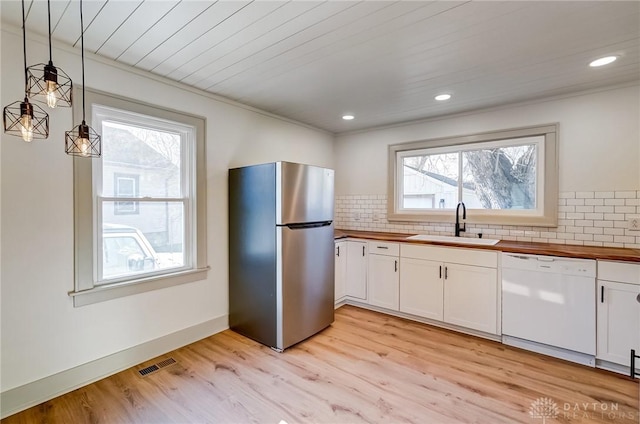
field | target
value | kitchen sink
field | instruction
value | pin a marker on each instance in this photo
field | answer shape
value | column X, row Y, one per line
column 457, row 240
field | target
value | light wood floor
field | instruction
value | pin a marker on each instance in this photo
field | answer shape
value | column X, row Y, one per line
column 367, row 367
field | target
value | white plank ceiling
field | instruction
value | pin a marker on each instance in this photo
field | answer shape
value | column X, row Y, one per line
column 381, row 61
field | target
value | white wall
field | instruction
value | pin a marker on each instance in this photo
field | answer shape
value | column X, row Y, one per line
column 42, row 333
column 599, row 141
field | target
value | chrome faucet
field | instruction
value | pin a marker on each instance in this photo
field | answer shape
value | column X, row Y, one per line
column 464, row 216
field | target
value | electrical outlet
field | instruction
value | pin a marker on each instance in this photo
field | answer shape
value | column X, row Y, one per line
column 634, row 224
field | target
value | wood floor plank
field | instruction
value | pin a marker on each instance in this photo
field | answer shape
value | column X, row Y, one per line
column 366, row 368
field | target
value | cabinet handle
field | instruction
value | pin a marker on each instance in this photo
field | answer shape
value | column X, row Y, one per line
column 440, row 271
column 601, row 294
column 638, row 298
column 396, row 270
column 381, row 247
column 362, row 250
column 338, row 251
column 446, row 272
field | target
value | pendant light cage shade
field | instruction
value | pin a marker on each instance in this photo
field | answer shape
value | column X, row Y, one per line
column 83, row 141
column 26, row 120
column 50, row 85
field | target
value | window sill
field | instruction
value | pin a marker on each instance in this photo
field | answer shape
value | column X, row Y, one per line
column 131, row 287
column 494, row 219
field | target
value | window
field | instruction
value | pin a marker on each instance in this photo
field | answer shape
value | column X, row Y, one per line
column 505, row 177
column 126, row 185
column 139, row 209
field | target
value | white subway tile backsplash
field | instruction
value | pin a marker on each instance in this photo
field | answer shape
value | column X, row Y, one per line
column 584, row 218
column 625, row 209
column 604, row 194
column 625, row 194
column 614, row 202
column 585, row 195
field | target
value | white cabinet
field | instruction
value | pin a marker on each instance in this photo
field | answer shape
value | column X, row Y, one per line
column 383, row 275
column 356, row 275
column 341, row 270
column 618, row 314
column 457, row 286
column 421, row 288
column 471, row 297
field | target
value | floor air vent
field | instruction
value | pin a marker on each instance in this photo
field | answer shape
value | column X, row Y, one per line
column 156, row 367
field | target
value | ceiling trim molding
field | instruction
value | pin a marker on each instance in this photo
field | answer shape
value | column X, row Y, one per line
column 11, row 29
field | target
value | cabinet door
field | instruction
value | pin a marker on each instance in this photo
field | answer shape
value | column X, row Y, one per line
column 421, row 288
column 341, row 270
column 383, row 281
column 471, row 297
column 618, row 321
column 356, row 281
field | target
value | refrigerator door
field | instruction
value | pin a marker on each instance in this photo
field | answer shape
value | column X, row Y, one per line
column 305, row 282
column 304, row 193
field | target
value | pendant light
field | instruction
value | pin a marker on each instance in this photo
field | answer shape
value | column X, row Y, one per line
column 47, row 83
column 23, row 118
column 82, row 140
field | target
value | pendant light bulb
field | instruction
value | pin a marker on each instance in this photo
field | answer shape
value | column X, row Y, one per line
column 51, row 85
column 26, row 128
column 84, row 145
column 26, row 121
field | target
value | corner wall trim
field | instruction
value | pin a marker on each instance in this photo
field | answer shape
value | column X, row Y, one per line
column 31, row 394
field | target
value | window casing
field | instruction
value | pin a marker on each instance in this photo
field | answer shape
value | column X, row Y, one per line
column 505, row 177
column 140, row 218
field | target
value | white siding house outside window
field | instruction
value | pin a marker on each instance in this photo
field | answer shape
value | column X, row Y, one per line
column 145, row 200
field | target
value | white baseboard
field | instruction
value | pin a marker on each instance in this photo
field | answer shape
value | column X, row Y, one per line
column 556, row 352
column 453, row 327
column 36, row 392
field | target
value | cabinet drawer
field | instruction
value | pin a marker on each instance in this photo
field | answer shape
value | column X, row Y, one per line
column 384, row 248
column 623, row 272
column 454, row 255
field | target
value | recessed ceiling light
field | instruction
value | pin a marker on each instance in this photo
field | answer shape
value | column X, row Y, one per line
column 348, row 117
column 442, row 97
column 603, row 61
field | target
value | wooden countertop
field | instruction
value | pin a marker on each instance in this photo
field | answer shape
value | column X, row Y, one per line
column 550, row 249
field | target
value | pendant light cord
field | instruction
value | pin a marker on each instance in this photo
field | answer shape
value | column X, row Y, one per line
column 82, row 47
column 49, row 16
column 24, row 50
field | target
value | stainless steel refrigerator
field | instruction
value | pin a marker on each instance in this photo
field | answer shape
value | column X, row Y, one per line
column 281, row 264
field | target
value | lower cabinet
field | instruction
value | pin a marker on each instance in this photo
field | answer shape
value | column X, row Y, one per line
column 471, row 297
column 341, row 270
column 421, row 288
column 457, row 286
column 435, row 285
column 384, row 281
column 618, row 312
column 356, row 275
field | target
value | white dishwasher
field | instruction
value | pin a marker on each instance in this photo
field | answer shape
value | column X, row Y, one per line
column 549, row 305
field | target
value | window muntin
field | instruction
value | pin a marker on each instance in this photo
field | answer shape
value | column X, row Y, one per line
column 506, row 177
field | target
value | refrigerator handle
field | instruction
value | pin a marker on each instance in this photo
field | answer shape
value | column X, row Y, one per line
column 303, row 225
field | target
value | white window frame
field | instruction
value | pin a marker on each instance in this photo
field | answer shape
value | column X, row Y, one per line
column 88, row 203
column 546, row 212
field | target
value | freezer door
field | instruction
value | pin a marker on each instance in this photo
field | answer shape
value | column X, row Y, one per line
column 304, row 193
column 305, row 282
